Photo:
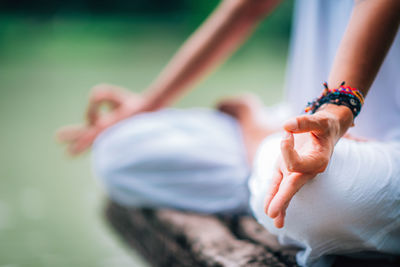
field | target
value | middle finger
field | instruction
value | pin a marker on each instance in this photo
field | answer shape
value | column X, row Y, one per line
column 288, row 188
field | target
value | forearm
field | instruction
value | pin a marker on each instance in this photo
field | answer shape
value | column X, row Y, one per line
column 222, row 33
column 369, row 35
column 371, row 30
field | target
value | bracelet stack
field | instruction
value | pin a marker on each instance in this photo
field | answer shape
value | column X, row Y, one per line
column 344, row 95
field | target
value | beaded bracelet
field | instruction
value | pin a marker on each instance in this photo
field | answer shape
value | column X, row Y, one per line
column 344, row 95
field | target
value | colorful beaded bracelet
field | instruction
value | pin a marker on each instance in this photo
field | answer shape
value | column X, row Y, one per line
column 344, row 95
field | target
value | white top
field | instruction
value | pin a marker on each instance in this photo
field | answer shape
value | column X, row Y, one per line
column 317, row 31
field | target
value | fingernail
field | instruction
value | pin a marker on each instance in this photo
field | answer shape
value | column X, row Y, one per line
column 291, row 125
column 286, row 135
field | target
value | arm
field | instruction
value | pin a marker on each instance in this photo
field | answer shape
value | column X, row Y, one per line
column 369, row 35
column 220, row 35
column 217, row 38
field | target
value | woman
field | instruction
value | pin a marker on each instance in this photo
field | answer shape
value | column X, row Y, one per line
column 332, row 195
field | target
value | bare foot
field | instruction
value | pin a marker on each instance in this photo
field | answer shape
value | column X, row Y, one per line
column 248, row 110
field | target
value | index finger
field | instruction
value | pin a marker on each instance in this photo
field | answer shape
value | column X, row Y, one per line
column 304, row 123
column 273, row 187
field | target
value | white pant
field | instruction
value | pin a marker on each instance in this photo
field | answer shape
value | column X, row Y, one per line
column 353, row 206
column 195, row 160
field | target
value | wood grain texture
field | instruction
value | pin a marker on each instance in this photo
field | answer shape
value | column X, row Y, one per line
column 175, row 238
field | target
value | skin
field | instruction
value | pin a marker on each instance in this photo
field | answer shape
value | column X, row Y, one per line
column 369, row 35
column 310, row 140
column 218, row 37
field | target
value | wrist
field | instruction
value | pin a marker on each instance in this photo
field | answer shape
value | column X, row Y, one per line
column 342, row 115
column 153, row 100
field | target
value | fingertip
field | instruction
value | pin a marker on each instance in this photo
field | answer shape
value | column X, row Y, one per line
column 273, row 212
column 67, row 134
column 291, row 125
column 279, row 222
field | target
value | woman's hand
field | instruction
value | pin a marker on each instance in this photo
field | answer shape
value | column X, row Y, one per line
column 122, row 104
column 304, row 155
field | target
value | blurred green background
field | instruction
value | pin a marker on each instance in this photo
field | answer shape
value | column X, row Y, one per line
column 51, row 54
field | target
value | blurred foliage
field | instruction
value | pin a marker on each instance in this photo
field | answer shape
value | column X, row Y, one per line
column 189, row 12
column 93, row 6
column 105, row 6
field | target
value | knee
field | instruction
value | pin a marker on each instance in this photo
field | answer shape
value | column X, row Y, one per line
column 105, row 159
column 317, row 208
column 342, row 205
column 337, row 199
column 113, row 156
column 116, row 164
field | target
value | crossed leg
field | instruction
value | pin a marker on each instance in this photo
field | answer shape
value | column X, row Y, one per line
column 210, row 178
column 352, row 206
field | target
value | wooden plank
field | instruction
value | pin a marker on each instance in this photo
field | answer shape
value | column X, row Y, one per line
column 173, row 238
column 249, row 229
column 176, row 238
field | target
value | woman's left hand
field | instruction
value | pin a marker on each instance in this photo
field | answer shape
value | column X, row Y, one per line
column 304, row 155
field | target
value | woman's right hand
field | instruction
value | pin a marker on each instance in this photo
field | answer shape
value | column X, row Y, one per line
column 305, row 152
column 122, row 104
